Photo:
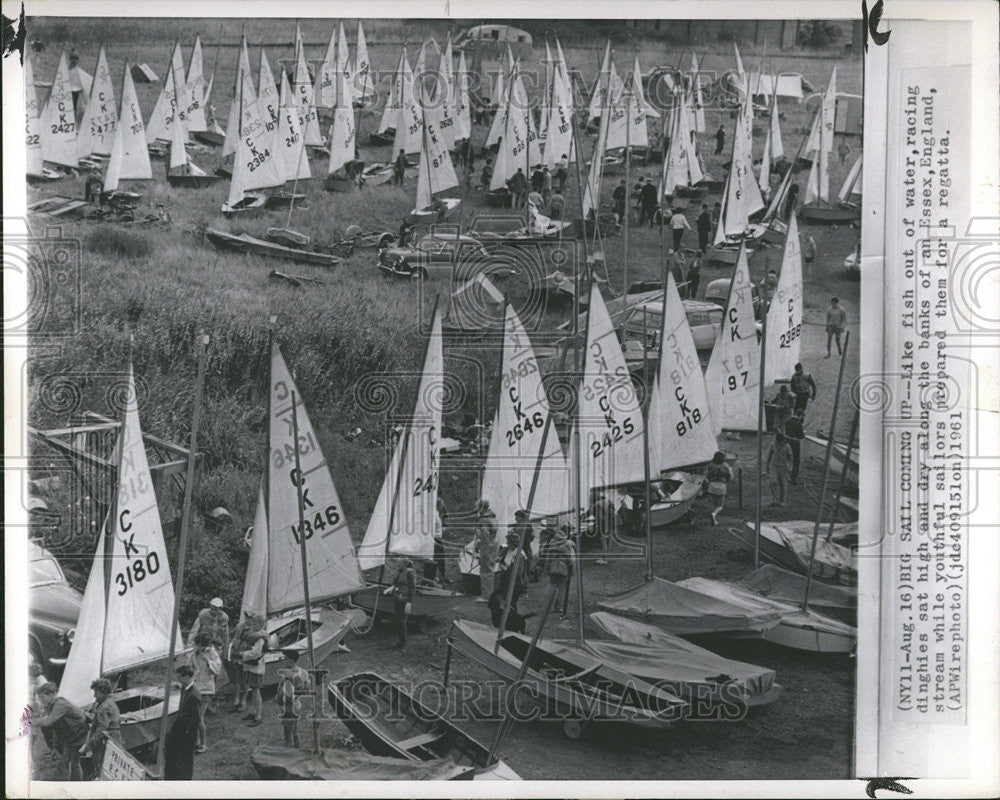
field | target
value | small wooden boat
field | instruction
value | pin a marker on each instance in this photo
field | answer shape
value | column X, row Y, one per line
column 712, row 185
column 245, row 243
column 45, row 175
column 679, row 501
column 571, row 683
column 159, row 148
column 338, row 183
column 832, row 214
column 497, row 198
column 274, row 763
column 691, row 192
column 725, row 254
column 442, row 209
column 211, row 138
column 790, row 547
column 249, row 204
column 377, row 174
column 141, row 710
column 428, row 602
column 285, row 199
column 771, row 581
column 60, row 206
column 289, row 632
column 390, row 722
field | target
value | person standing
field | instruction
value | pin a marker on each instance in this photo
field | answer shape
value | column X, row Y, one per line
column 795, row 433
column 558, row 558
column 803, row 387
column 294, row 682
column 253, row 666
column 716, row 214
column 704, row 225
column 678, row 224
column 844, row 150
column 808, row 248
column 720, row 140
column 487, row 174
column 207, row 665
column 791, row 201
column 537, row 179
column 105, row 724
column 618, row 195
column 399, row 167
column 403, row 590
column 68, row 726
column 836, row 318
column 546, row 184
column 562, row 173
column 694, row 275
column 783, row 404
column 181, row 738
column 649, row 197
column 780, row 456
column 486, row 548
column 234, row 663
column 214, row 622
column 518, row 185
column 508, row 573
column 718, row 476
column 556, row 206
column 603, row 512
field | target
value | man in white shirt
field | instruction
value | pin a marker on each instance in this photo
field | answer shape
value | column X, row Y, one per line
column 678, row 224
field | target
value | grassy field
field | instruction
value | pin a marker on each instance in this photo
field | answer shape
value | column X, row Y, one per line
column 163, row 286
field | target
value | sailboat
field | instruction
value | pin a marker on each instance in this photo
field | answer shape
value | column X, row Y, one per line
column 182, row 171
column 461, row 102
column 515, row 453
column 343, row 132
column 435, row 172
column 273, row 586
column 129, row 159
column 405, row 520
column 385, row 134
column 558, row 124
column 305, row 93
column 733, row 373
column 173, row 101
column 127, row 607
column 33, row 130
column 681, row 168
column 58, row 121
column 816, row 202
column 408, row 136
column 97, row 127
column 364, row 86
column 784, row 315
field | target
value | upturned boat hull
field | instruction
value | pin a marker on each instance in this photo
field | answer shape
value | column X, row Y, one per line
column 244, row 243
column 390, row 722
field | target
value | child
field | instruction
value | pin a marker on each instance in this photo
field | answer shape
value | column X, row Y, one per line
column 207, row 664
column 294, row 681
column 780, row 455
column 718, row 477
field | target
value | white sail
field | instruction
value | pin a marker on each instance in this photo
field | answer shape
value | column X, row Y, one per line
column 681, row 166
column 32, row 125
column 435, row 171
column 559, row 130
column 332, row 566
column 518, row 430
column 597, row 97
column 174, row 98
column 97, row 127
column 268, row 100
column 129, row 158
column 828, row 114
column 178, row 152
column 777, row 149
column 640, row 95
column 304, row 93
column 812, row 143
column 627, row 123
column 344, row 56
column 699, row 104
column 325, row 90
column 818, row 185
column 254, row 601
column 444, row 97
column 59, row 120
column 733, row 373
column 364, row 86
column 292, row 161
column 410, row 119
column 463, row 111
column 739, row 61
column 608, row 412
column 195, row 80
column 412, row 506
column 495, row 132
column 592, row 191
column 545, row 103
column 784, row 316
column 764, row 176
column 394, row 103
column 742, row 197
column 342, row 130
column 852, row 183
column 244, row 85
column 255, row 165
column 680, row 421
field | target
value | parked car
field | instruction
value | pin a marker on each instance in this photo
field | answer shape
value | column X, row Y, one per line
column 438, row 255
column 705, row 320
column 53, row 610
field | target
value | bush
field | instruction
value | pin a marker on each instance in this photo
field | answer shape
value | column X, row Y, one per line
column 111, row 241
column 817, row 34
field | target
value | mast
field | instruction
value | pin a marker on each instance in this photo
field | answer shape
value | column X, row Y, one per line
column 645, row 439
column 305, row 567
column 182, row 551
column 577, row 469
column 628, row 193
column 760, row 440
column 826, row 471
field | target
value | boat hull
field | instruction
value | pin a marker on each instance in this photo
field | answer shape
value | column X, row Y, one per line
column 593, row 691
column 244, row 243
column 329, row 629
column 722, row 255
column 427, row 603
column 830, row 214
column 275, row 763
column 389, row 722
column 192, row 181
column 210, row 138
column 141, row 710
column 384, row 139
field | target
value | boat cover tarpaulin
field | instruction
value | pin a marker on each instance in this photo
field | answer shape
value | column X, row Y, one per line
column 285, row 763
column 665, row 659
column 833, row 561
column 682, row 610
column 775, row 583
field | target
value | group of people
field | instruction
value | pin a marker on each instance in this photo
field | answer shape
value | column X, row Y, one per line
column 784, row 455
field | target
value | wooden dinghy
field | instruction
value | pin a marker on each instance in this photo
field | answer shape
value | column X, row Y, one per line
column 274, row 763
column 245, row 243
column 390, row 722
